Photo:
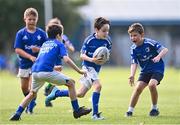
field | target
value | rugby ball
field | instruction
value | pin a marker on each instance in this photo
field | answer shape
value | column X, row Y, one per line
column 103, row 53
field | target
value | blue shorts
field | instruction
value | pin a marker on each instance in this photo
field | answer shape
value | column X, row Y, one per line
column 146, row 77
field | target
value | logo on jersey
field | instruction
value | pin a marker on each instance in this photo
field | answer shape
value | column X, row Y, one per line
column 38, row 37
column 46, row 47
column 25, row 37
column 147, row 49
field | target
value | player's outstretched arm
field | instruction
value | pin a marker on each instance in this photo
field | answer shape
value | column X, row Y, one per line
column 73, row 65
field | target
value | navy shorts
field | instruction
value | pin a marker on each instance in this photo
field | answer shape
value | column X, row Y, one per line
column 146, row 77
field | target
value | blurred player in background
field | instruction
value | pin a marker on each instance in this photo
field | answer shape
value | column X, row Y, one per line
column 148, row 54
column 90, row 64
column 27, row 45
column 50, row 87
column 43, row 71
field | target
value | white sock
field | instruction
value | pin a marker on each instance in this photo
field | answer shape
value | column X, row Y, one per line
column 154, row 107
column 130, row 109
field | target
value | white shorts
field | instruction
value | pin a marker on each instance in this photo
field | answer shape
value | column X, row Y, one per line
column 55, row 77
column 24, row 73
column 92, row 75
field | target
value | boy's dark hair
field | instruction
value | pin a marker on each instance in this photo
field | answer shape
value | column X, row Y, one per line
column 100, row 21
column 53, row 30
column 136, row 27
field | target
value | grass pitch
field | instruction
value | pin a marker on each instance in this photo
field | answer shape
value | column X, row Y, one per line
column 113, row 102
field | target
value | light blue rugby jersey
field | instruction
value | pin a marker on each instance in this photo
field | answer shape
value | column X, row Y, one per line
column 144, row 54
column 24, row 40
column 90, row 44
column 50, row 52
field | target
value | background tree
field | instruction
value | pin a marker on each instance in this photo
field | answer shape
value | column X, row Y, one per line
column 11, row 18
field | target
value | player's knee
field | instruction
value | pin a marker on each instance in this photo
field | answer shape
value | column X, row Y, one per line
column 80, row 95
column 32, row 94
column 138, row 90
column 70, row 83
column 152, row 86
column 98, row 87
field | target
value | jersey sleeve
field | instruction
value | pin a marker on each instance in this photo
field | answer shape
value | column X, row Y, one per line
column 58, row 62
column 18, row 41
column 63, row 51
column 158, row 47
column 109, row 43
column 66, row 41
column 84, row 48
column 133, row 57
column 45, row 37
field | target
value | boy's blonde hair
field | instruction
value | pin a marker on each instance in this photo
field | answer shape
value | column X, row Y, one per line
column 30, row 11
column 136, row 27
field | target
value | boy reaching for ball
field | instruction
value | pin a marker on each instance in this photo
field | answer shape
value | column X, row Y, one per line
column 92, row 65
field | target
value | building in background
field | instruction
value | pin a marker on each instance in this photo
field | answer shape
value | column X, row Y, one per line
column 161, row 19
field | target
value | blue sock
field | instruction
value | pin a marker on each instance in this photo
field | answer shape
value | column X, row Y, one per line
column 95, row 102
column 19, row 110
column 32, row 105
column 75, row 105
column 62, row 93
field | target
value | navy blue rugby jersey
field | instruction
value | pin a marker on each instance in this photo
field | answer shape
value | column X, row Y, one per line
column 144, row 54
column 90, row 44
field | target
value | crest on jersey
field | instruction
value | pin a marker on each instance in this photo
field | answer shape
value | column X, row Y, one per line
column 147, row 49
column 38, row 37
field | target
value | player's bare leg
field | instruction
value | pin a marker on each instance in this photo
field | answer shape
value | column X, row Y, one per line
column 25, row 85
column 135, row 96
column 154, row 94
column 82, row 91
column 136, row 93
column 154, row 97
column 22, row 106
column 71, row 88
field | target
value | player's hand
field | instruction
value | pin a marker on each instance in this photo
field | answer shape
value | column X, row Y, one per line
column 33, row 59
column 156, row 59
column 58, row 68
column 35, row 49
column 83, row 72
column 131, row 80
column 97, row 60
